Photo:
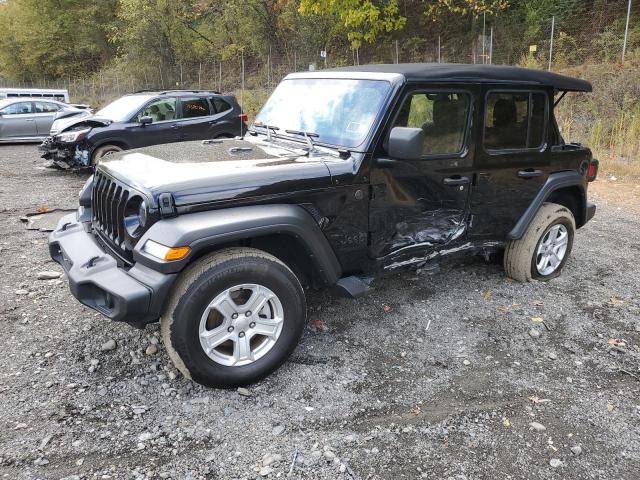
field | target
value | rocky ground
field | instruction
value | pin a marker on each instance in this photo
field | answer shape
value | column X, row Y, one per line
column 461, row 374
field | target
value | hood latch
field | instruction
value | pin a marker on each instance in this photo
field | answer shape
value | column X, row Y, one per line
column 167, row 205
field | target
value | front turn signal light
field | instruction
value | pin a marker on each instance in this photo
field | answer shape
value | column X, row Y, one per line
column 163, row 252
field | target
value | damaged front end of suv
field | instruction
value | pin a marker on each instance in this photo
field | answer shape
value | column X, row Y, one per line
column 70, row 146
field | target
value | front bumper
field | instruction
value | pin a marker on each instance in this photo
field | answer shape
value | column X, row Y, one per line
column 134, row 295
column 70, row 153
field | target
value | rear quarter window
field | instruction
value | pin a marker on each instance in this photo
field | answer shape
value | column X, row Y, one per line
column 220, row 105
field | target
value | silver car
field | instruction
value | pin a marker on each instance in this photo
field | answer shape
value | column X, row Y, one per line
column 23, row 120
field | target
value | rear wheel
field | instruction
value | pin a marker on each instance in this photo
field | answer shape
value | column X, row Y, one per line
column 233, row 317
column 543, row 250
column 103, row 151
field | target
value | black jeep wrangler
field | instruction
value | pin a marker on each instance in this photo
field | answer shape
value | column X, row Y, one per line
column 345, row 174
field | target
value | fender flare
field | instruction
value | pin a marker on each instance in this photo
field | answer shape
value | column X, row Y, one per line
column 556, row 181
column 203, row 230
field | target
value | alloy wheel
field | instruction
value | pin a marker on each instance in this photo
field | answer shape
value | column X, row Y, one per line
column 241, row 325
column 552, row 249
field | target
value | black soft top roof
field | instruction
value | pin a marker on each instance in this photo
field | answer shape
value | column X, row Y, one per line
column 476, row 73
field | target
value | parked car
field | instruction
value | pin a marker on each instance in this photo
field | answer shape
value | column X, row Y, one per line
column 58, row 94
column 142, row 119
column 346, row 174
column 30, row 120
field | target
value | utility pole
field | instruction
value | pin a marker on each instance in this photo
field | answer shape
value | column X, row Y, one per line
column 397, row 54
column 553, row 28
column 626, row 31
column 439, row 58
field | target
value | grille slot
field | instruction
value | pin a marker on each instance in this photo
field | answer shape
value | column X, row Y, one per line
column 109, row 198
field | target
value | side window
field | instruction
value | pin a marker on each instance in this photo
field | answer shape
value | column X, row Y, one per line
column 20, row 108
column 220, row 105
column 46, row 107
column 160, row 110
column 443, row 117
column 195, row 107
column 515, row 120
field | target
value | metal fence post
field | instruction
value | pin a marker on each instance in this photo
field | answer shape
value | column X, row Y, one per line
column 553, row 27
column 439, row 58
column 626, row 31
column 491, row 46
column 484, row 37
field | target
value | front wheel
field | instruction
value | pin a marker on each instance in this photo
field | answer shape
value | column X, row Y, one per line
column 233, row 317
column 103, row 151
column 543, row 250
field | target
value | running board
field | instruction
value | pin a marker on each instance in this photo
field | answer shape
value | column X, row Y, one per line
column 353, row 286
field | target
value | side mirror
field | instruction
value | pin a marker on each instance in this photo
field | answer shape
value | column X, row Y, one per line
column 406, row 143
column 146, row 120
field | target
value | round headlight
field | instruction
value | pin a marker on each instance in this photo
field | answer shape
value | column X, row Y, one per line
column 135, row 216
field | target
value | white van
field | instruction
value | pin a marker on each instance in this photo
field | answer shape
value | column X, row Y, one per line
column 60, row 95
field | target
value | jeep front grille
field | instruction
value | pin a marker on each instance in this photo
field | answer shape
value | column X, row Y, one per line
column 108, row 202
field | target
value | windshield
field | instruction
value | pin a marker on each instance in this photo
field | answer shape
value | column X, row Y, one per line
column 340, row 111
column 123, row 108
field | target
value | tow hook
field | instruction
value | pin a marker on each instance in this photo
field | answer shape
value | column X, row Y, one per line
column 92, row 261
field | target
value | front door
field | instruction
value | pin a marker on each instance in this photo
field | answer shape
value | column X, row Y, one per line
column 18, row 121
column 420, row 207
column 164, row 128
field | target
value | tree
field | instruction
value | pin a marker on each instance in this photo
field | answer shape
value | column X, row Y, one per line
column 366, row 20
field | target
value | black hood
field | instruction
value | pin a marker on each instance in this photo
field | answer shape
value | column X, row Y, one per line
column 199, row 172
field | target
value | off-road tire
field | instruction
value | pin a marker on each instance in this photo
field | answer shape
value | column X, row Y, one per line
column 199, row 283
column 100, row 152
column 520, row 255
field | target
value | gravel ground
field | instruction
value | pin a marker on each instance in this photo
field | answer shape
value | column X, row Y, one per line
column 451, row 375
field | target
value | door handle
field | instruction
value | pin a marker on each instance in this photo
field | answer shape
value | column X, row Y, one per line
column 455, row 181
column 29, row 120
column 386, row 162
column 175, row 127
column 213, row 122
column 529, row 173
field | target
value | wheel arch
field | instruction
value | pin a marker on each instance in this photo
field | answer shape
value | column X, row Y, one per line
column 287, row 232
column 109, row 141
column 564, row 188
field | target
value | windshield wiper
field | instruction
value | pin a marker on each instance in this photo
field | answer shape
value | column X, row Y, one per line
column 307, row 136
column 268, row 128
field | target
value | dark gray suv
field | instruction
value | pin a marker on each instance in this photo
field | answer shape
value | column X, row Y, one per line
column 142, row 119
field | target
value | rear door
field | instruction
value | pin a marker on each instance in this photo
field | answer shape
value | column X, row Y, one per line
column 512, row 160
column 45, row 113
column 18, row 121
column 198, row 120
column 419, row 207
